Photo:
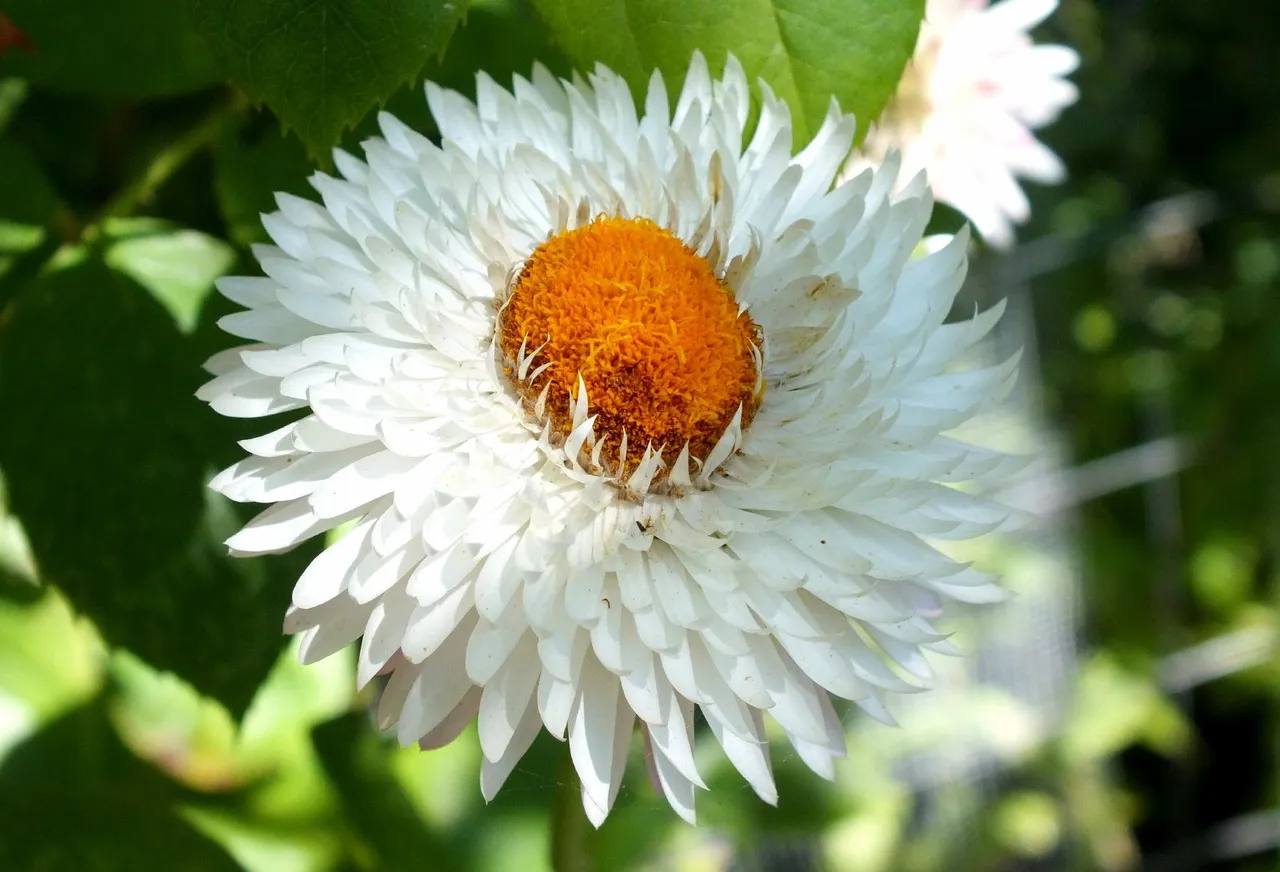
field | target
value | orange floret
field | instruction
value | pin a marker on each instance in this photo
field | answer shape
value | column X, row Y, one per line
column 657, row 337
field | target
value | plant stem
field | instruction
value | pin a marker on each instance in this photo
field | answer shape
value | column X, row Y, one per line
column 166, row 162
column 572, row 848
column 157, row 171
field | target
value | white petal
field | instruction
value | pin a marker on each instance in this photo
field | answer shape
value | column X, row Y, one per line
column 555, row 703
column 453, row 724
column 493, row 774
column 750, row 756
column 431, row 625
column 674, row 736
column 506, row 699
column 593, row 735
column 327, row 575
column 675, row 786
column 279, row 528
column 438, row 688
column 493, row 572
column 336, row 633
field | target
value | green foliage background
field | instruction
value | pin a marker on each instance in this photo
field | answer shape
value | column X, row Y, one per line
column 151, row 716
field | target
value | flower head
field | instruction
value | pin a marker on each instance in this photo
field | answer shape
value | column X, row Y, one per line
column 629, row 419
column 971, row 95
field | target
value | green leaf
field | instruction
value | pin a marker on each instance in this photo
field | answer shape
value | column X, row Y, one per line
column 358, row 762
column 251, row 164
column 109, row 479
column 50, row 662
column 177, row 266
column 807, row 50
column 18, row 581
column 30, row 209
column 1116, row 708
column 500, row 37
column 73, row 798
column 13, row 93
column 249, row 169
column 28, row 203
column 123, row 48
column 322, row 64
column 16, row 587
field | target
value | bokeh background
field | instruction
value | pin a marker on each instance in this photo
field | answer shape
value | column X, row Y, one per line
column 1122, row 712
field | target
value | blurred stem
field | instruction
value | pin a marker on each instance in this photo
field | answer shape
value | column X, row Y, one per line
column 158, row 170
column 166, row 162
column 571, row 842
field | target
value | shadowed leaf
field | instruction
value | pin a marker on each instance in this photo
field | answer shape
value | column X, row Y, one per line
column 322, row 64
column 106, row 453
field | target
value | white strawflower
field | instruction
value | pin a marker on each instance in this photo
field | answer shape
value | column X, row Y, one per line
column 629, row 419
column 971, row 95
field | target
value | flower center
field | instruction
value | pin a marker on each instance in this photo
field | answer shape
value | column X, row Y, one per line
column 657, row 339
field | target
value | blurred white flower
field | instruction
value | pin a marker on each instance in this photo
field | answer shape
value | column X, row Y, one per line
column 629, row 420
column 971, row 95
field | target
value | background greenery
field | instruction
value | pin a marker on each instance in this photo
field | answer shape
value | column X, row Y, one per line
column 150, row 714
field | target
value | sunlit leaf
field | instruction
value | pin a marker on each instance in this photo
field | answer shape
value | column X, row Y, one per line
column 178, row 266
column 49, row 660
column 1116, row 708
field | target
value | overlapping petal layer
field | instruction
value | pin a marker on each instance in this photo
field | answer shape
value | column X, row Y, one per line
column 494, row 576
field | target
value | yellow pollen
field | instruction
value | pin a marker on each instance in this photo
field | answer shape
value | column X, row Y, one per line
column 656, row 336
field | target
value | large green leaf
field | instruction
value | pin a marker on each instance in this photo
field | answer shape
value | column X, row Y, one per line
column 133, row 48
column 322, row 64
column 807, row 50
column 500, row 37
column 106, row 453
column 73, row 798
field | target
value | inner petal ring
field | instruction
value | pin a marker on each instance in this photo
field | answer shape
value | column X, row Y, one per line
column 625, row 309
